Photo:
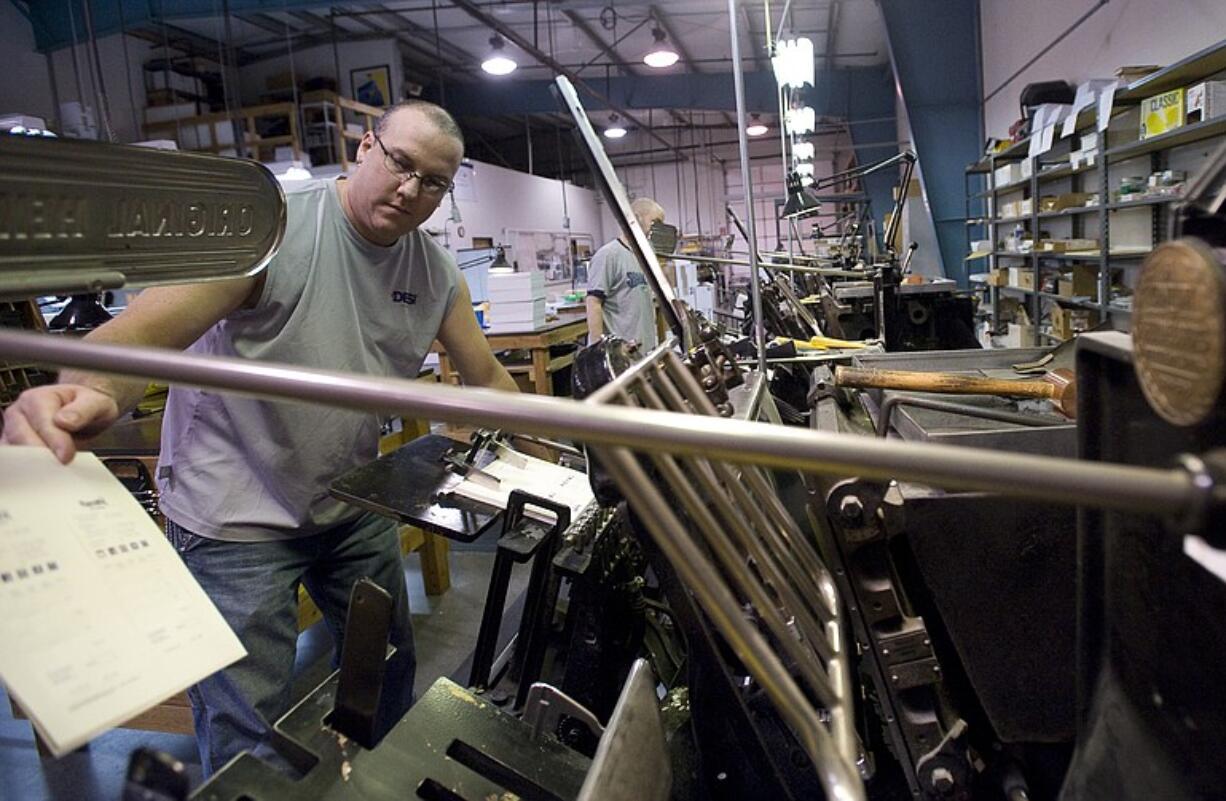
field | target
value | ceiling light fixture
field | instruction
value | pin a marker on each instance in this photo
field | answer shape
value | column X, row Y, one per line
column 498, row 63
column 662, row 54
column 756, row 127
column 801, row 121
column 793, row 63
column 615, row 129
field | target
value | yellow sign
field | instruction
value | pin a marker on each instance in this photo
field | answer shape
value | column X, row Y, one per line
column 1161, row 113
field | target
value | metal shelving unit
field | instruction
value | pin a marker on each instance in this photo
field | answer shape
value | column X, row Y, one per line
column 1096, row 179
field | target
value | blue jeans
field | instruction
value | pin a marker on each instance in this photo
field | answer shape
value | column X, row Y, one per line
column 255, row 587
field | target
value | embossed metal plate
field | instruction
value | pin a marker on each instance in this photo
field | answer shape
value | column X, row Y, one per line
column 1179, row 331
column 78, row 215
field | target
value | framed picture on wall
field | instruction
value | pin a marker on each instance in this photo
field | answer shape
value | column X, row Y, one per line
column 372, row 85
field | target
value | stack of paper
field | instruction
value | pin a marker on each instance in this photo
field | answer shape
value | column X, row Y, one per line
column 517, row 300
column 515, row 471
column 99, row 618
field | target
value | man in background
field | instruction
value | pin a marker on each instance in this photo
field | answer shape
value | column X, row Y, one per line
column 619, row 299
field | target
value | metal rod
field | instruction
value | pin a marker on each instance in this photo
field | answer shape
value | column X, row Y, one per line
column 782, row 573
column 755, row 280
column 795, row 268
column 1106, row 486
column 834, row 355
column 904, row 185
column 999, row 415
column 104, row 108
column 721, row 605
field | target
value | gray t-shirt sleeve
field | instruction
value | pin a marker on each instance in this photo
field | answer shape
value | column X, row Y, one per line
column 603, row 274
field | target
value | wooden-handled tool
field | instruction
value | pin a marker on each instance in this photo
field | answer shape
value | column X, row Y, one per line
column 1057, row 386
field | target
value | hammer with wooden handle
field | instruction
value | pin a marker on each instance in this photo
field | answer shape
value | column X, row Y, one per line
column 1057, row 386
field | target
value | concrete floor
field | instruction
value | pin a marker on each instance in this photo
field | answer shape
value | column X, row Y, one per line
column 446, row 631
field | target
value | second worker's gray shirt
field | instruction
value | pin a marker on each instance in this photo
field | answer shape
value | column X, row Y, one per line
column 627, row 307
column 236, row 468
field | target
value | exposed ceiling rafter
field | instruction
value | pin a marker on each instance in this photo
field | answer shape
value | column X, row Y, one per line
column 610, row 51
column 686, row 58
column 508, row 33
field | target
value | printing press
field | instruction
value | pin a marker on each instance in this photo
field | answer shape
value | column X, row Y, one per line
column 908, row 597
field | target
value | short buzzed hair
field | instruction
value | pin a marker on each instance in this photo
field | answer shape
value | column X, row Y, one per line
column 644, row 208
column 436, row 114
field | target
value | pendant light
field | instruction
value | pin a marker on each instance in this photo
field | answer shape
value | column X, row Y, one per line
column 498, row 62
column 662, row 54
column 615, row 130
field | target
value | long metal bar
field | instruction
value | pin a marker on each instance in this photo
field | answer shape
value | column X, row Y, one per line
column 794, row 268
column 100, row 95
column 1106, row 486
column 788, row 588
column 783, row 541
column 999, row 415
column 761, row 542
column 751, row 481
column 810, row 663
column 721, row 605
column 755, row 280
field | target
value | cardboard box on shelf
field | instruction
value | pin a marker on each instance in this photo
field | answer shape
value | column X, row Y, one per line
column 1081, row 281
column 1206, row 101
column 1015, row 275
column 1134, row 72
column 1083, row 158
column 1019, row 335
column 1161, row 113
column 1025, row 279
column 1027, row 169
column 997, row 278
column 1071, row 200
column 1065, row 322
column 1009, row 307
column 1025, row 207
column 1066, row 245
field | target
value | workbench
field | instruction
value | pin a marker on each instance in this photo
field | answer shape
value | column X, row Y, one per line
column 537, row 341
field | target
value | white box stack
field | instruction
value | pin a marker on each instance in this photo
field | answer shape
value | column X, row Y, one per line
column 517, row 301
column 1007, row 174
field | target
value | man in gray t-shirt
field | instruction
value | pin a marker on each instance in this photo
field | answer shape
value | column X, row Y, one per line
column 355, row 286
column 619, row 299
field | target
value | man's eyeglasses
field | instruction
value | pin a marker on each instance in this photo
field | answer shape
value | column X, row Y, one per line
column 431, row 184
